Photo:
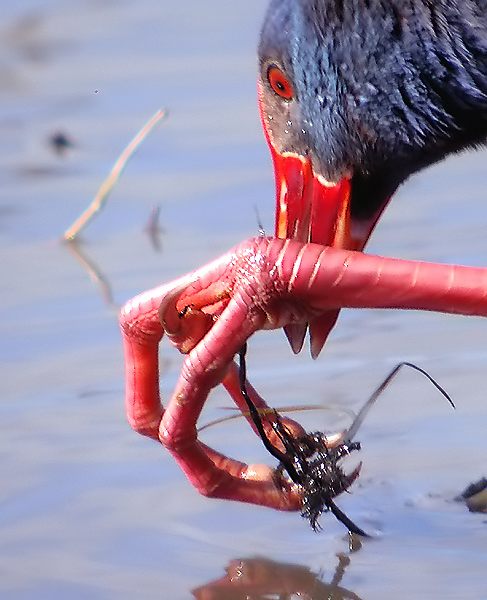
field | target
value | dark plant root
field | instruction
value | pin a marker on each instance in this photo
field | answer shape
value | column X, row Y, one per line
column 308, row 462
column 320, row 475
column 342, row 517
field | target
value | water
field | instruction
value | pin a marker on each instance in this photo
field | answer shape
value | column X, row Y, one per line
column 88, row 509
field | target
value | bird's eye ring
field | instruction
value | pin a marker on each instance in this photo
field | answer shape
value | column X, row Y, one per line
column 279, row 83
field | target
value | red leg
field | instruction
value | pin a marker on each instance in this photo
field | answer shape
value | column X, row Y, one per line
column 262, row 284
column 232, row 385
column 212, row 473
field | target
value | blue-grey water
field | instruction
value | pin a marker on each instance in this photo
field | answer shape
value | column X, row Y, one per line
column 88, row 509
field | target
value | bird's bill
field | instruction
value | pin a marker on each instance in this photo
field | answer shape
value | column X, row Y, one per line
column 311, row 209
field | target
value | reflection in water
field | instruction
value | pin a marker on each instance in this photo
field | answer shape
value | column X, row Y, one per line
column 154, row 230
column 154, row 233
column 28, row 37
column 93, row 271
column 263, row 579
column 103, row 283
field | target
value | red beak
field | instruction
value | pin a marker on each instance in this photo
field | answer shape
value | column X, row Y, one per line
column 311, row 209
column 308, row 208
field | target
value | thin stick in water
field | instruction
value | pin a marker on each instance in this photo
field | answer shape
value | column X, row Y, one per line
column 106, row 187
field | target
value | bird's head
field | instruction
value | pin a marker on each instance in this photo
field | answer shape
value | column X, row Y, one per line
column 355, row 97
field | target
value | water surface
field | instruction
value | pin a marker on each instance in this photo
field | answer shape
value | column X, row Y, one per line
column 88, row 508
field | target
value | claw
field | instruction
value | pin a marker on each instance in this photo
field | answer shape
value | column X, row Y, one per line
column 168, row 313
column 186, row 327
column 195, row 325
column 295, row 333
column 354, row 475
column 319, row 330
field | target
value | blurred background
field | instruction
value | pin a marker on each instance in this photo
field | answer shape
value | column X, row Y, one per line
column 88, row 509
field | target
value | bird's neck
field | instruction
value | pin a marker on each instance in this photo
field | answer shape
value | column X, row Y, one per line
column 452, row 34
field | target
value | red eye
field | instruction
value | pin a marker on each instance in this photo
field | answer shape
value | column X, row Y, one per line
column 280, row 83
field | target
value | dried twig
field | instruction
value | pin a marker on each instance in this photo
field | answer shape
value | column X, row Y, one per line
column 280, row 409
column 106, row 187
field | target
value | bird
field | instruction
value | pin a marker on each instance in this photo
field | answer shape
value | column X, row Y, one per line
column 355, row 97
